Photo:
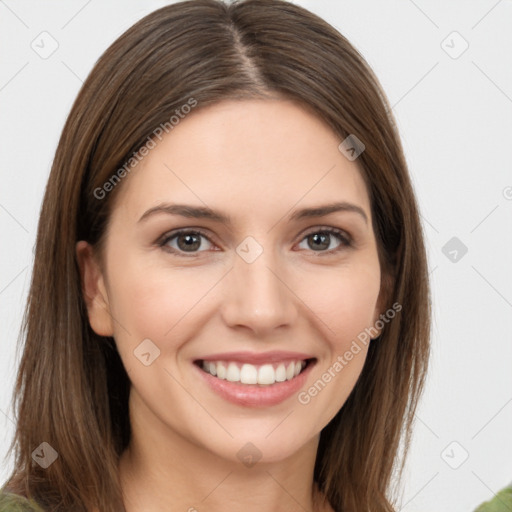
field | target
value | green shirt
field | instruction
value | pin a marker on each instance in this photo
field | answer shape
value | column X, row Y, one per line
column 502, row 502
column 10, row 502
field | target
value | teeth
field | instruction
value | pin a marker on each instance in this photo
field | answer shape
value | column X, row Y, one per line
column 265, row 374
column 281, row 373
column 290, row 371
column 233, row 373
column 249, row 374
column 221, row 371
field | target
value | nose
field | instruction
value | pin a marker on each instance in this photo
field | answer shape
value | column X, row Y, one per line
column 258, row 296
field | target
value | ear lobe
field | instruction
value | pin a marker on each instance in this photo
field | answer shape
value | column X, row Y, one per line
column 93, row 290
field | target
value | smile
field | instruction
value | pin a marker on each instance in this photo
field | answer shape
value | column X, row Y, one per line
column 257, row 384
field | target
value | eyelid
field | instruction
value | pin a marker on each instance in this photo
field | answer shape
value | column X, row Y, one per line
column 345, row 238
column 329, row 229
column 166, row 237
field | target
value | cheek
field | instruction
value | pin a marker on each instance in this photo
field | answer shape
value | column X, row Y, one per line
column 150, row 301
column 344, row 299
column 334, row 378
column 345, row 305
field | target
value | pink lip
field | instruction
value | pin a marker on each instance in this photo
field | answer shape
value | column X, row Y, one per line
column 273, row 356
column 255, row 395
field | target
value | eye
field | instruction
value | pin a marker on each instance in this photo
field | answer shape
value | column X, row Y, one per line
column 188, row 241
column 322, row 238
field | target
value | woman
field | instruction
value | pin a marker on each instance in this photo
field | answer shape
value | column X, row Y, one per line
column 230, row 302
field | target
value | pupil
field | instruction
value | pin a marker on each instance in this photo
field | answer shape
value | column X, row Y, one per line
column 321, row 237
column 190, row 243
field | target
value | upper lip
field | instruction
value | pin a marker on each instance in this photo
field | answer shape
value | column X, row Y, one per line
column 273, row 356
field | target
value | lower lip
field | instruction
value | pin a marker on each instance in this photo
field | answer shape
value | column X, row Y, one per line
column 254, row 395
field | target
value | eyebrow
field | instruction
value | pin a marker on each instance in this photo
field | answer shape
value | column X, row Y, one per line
column 204, row 212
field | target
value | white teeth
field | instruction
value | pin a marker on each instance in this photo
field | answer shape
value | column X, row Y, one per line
column 248, row 374
column 233, row 373
column 280, row 373
column 221, row 371
column 290, row 371
column 265, row 374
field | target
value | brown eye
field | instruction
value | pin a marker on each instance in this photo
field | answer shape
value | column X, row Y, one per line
column 186, row 241
column 321, row 240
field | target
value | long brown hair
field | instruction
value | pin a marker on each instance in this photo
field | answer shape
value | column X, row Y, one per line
column 72, row 389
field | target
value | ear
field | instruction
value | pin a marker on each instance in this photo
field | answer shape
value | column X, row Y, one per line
column 382, row 301
column 94, row 290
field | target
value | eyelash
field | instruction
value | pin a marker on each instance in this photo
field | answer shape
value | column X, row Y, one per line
column 341, row 235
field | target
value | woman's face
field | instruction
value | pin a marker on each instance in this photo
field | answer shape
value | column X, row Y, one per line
column 265, row 283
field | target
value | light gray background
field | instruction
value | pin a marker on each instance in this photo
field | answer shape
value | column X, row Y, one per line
column 455, row 119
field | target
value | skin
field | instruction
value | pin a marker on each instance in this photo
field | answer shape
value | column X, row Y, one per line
column 258, row 161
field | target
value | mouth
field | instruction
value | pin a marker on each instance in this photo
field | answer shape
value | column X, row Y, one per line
column 255, row 375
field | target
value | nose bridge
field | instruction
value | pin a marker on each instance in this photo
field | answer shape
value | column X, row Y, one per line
column 257, row 295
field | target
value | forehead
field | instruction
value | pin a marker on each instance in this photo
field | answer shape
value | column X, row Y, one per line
column 245, row 157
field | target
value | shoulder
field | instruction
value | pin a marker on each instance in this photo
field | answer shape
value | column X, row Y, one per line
column 502, row 502
column 10, row 502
